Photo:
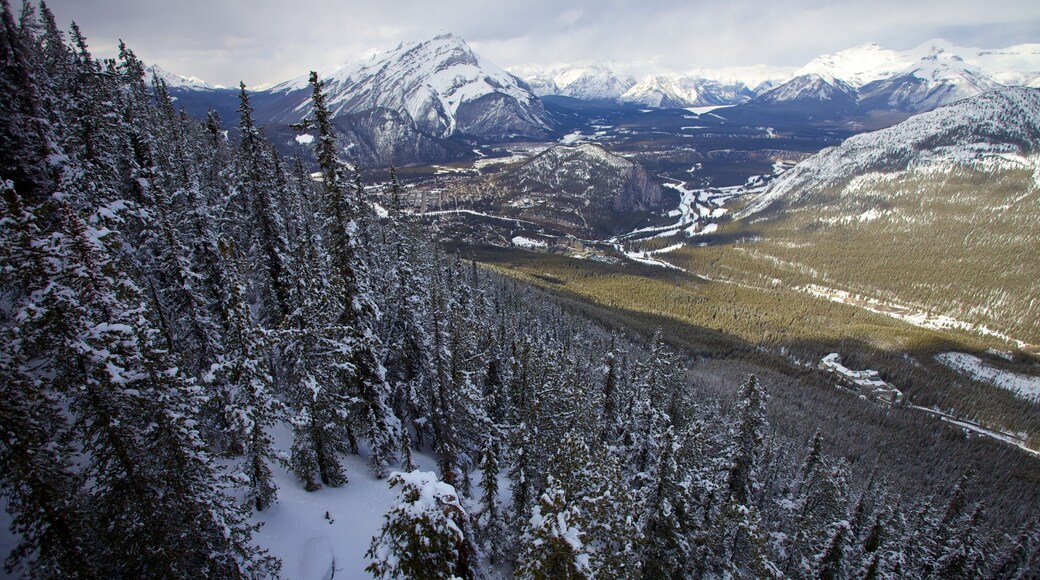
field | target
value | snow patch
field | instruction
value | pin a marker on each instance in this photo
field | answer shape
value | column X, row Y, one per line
column 523, row 242
column 1024, row 386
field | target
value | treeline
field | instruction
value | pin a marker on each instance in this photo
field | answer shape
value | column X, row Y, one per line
column 167, row 298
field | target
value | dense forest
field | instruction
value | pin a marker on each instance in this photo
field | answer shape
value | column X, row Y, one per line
column 168, row 296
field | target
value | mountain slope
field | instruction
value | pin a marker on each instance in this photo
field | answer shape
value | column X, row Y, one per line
column 595, row 82
column 938, row 213
column 938, row 79
column 999, row 125
column 858, row 65
column 439, row 85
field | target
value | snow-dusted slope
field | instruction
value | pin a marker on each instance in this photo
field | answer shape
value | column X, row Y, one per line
column 935, row 80
column 809, row 88
column 997, row 128
column 594, row 82
column 866, row 63
column 440, row 85
column 1012, row 66
column 698, row 87
column 583, row 189
column 591, row 171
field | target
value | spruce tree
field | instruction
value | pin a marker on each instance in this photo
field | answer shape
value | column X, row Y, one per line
column 425, row 534
column 371, row 414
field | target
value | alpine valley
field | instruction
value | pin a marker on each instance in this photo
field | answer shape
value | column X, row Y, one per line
column 422, row 316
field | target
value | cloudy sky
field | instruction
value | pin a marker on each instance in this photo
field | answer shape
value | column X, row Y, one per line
column 266, row 41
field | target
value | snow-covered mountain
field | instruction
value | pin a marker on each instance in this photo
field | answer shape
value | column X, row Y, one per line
column 937, row 79
column 591, row 82
column 811, row 88
column 856, row 66
column 176, row 81
column 440, row 85
column 932, row 74
column 998, row 129
column 935, row 218
column 674, row 91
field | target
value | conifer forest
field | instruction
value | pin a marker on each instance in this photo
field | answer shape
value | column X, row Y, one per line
column 186, row 311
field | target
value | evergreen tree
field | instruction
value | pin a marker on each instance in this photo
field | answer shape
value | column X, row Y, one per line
column 553, row 544
column 424, row 535
column 748, row 447
column 371, row 414
column 243, row 370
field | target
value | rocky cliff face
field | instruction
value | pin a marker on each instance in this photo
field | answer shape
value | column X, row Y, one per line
column 584, row 186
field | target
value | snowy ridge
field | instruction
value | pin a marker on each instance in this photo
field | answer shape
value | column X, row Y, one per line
column 588, row 82
column 934, row 73
column 675, row 91
column 858, row 65
column 974, row 132
column 697, row 87
column 812, row 87
column 440, row 84
column 176, row 81
column 937, row 79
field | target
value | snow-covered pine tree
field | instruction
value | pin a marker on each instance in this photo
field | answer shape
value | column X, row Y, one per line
column 738, row 540
column 491, row 524
column 426, row 534
column 40, row 486
column 154, row 500
column 371, row 412
column 242, row 372
column 672, row 531
column 261, row 179
column 585, row 489
column 552, row 546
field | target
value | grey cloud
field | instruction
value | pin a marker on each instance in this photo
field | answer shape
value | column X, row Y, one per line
column 265, row 41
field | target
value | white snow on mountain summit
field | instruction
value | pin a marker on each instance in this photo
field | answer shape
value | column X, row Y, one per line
column 935, row 80
column 177, row 81
column 431, row 82
column 945, row 72
column 589, row 82
column 856, row 66
column 676, row 91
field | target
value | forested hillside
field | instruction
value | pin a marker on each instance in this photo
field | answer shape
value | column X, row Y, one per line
column 169, row 298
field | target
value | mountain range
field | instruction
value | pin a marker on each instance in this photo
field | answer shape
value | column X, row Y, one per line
column 931, row 74
column 433, row 100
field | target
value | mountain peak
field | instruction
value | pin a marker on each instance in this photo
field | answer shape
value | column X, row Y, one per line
column 174, row 80
column 438, row 84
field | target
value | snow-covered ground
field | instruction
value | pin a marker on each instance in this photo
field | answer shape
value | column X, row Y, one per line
column 705, row 110
column 1025, row 386
column 476, row 213
column 312, row 546
column 523, row 242
column 648, row 258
